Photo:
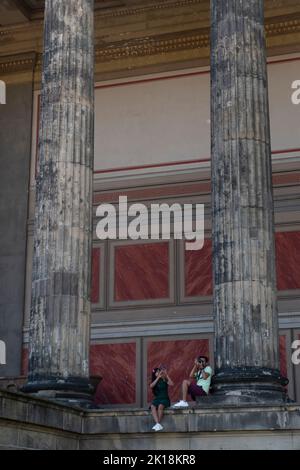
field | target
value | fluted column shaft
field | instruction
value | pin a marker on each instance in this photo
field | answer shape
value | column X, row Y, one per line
column 60, row 311
column 246, row 324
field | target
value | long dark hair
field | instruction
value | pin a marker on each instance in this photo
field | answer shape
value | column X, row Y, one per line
column 154, row 373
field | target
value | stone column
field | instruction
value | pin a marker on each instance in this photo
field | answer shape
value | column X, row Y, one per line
column 246, row 324
column 60, row 311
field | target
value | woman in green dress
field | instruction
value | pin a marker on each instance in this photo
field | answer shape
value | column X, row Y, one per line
column 159, row 385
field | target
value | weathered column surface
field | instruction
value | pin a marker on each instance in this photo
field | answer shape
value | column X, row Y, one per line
column 246, row 325
column 60, row 312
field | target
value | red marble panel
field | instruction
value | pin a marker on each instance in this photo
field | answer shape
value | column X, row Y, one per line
column 95, row 294
column 198, row 271
column 288, row 260
column 178, row 356
column 116, row 364
column 198, row 265
column 24, row 364
column 141, row 271
column 283, row 355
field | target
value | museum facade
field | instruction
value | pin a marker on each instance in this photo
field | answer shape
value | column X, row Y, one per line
column 151, row 300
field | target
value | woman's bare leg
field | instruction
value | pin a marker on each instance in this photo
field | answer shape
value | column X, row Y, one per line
column 154, row 413
column 160, row 412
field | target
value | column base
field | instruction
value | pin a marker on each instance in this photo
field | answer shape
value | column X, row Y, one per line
column 253, row 385
column 72, row 390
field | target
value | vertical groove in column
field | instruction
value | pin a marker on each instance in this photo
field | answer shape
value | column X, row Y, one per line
column 246, row 323
column 59, row 324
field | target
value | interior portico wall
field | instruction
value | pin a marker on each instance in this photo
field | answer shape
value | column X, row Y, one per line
column 152, row 300
column 15, row 161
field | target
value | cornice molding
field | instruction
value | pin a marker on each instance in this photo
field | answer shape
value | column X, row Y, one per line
column 17, row 63
column 138, row 10
column 177, row 42
column 284, row 26
column 151, row 45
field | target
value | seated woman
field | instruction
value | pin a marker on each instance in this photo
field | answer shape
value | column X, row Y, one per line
column 159, row 386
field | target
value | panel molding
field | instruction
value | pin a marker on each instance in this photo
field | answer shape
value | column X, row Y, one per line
column 170, row 300
column 185, row 299
column 170, row 338
column 101, row 304
column 122, row 341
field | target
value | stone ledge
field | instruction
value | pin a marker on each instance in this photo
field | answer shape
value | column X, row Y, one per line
column 217, row 419
column 42, row 412
column 30, row 422
column 21, row 408
column 258, row 440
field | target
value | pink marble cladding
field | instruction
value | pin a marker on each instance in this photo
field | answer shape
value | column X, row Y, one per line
column 198, row 271
column 283, row 355
column 95, row 294
column 141, row 271
column 178, row 356
column 288, row 260
column 116, row 364
column 198, row 265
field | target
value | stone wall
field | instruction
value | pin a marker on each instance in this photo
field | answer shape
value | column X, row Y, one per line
column 33, row 423
column 15, row 139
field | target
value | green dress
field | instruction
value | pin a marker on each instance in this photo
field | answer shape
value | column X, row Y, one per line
column 161, row 394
